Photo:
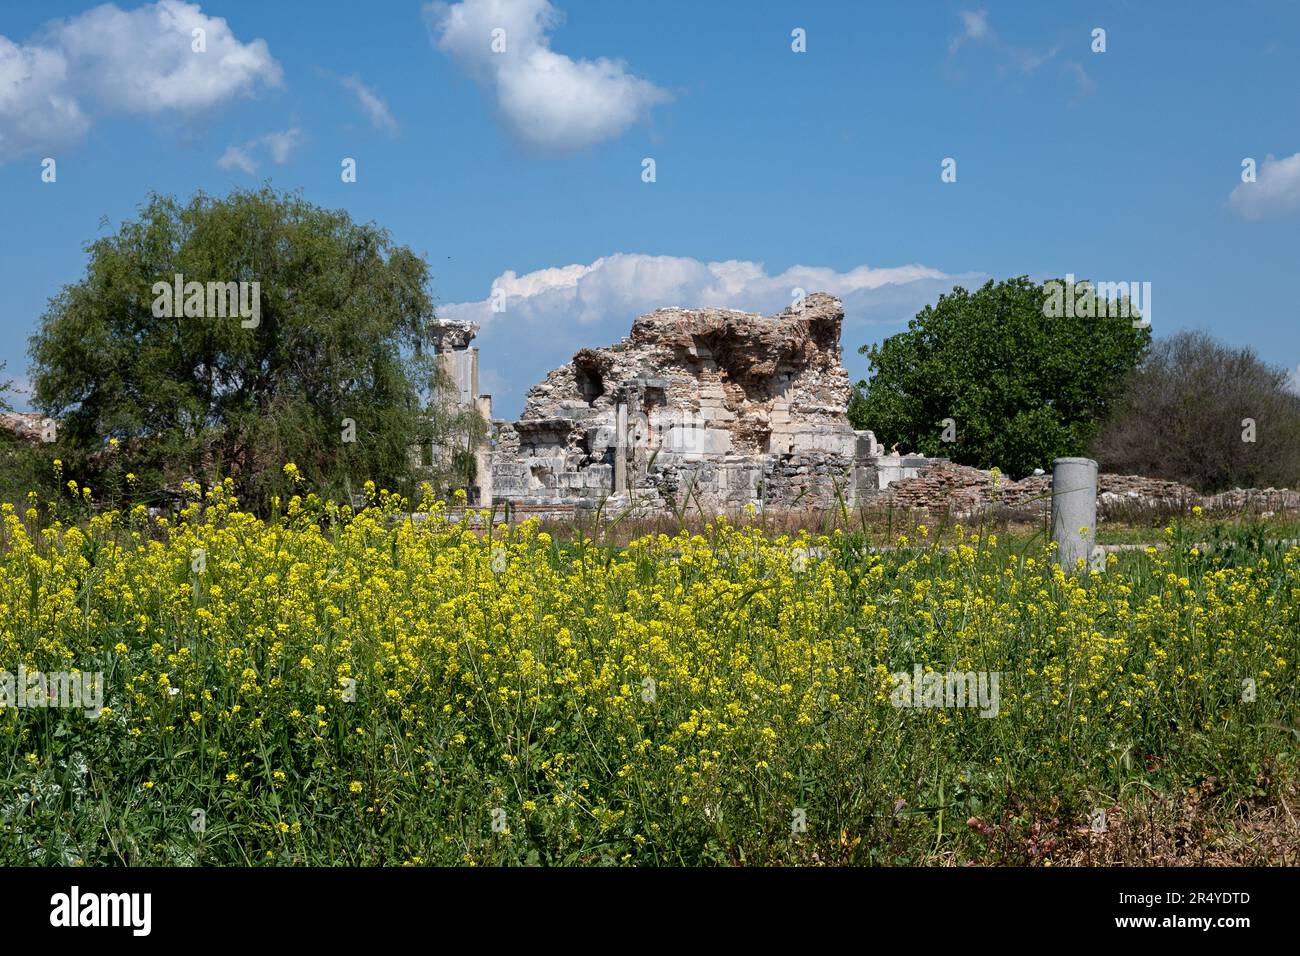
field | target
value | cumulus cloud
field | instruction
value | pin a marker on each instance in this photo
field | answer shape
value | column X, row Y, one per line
column 376, row 110
column 626, row 285
column 279, row 146
column 143, row 61
column 550, row 313
column 545, row 99
column 108, row 60
column 1275, row 193
column 36, row 109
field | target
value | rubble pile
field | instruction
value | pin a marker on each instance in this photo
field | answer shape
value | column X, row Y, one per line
column 963, row 491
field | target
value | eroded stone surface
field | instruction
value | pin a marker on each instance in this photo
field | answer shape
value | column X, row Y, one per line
column 716, row 409
column 719, row 406
column 26, row 426
column 964, row 491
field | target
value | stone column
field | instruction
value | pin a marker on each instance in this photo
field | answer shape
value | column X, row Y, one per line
column 620, row 449
column 483, row 454
column 1074, row 510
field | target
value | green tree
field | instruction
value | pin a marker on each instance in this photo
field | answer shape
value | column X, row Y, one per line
column 1021, row 387
column 6, row 387
column 330, row 374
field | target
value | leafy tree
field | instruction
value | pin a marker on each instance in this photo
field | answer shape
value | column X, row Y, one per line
column 337, row 341
column 1020, row 387
column 6, row 386
column 1183, row 416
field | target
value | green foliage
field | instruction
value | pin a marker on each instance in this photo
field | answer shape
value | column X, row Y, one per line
column 342, row 314
column 24, row 467
column 1022, row 388
column 6, row 386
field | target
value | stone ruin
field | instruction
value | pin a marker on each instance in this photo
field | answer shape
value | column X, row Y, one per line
column 27, row 426
column 965, row 492
column 458, row 362
column 710, row 407
column 721, row 409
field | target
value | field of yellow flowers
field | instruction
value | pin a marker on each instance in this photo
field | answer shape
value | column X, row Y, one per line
column 336, row 688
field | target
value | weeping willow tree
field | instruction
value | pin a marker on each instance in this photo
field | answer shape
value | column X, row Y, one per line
column 327, row 371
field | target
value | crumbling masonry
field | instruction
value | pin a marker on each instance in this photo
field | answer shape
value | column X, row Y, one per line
column 709, row 407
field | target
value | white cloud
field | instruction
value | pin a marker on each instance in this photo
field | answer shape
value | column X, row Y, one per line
column 1027, row 60
column 36, row 110
column 550, row 313
column 376, row 110
column 111, row 60
column 545, row 99
column 237, row 157
column 279, row 145
column 282, row 144
column 1275, row 193
column 626, row 284
column 975, row 26
column 142, row 61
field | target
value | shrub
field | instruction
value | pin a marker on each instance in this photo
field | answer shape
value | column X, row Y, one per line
column 1183, row 416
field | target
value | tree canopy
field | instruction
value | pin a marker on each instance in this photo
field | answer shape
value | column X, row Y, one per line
column 986, row 378
column 329, row 373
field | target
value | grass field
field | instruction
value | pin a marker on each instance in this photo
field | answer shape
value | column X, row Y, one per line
column 330, row 688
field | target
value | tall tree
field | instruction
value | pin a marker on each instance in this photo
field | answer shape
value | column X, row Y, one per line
column 989, row 378
column 323, row 368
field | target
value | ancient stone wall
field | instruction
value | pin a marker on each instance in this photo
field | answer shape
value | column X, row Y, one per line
column 714, row 406
column 964, row 491
column 458, row 363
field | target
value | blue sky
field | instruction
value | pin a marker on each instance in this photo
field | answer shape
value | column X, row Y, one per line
column 772, row 168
